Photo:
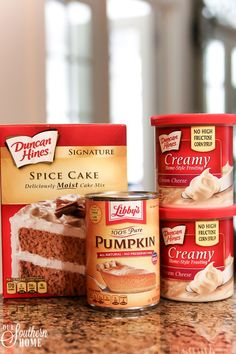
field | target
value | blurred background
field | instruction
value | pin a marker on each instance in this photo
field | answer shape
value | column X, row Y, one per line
column 118, row 61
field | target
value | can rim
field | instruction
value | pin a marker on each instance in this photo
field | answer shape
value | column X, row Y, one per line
column 201, row 213
column 193, row 118
column 122, row 195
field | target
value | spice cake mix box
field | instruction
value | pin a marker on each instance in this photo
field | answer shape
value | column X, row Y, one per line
column 45, row 172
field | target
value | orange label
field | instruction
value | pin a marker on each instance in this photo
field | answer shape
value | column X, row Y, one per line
column 122, row 253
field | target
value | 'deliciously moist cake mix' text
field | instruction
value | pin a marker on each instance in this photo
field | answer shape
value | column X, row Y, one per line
column 45, row 172
column 197, row 254
column 194, row 159
column 122, row 266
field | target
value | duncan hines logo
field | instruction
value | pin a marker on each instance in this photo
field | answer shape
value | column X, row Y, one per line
column 126, row 211
column 40, row 148
column 173, row 235
column 171, row 141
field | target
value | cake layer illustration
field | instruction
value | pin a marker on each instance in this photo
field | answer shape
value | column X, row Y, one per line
column 48, row 242
column 121, row 278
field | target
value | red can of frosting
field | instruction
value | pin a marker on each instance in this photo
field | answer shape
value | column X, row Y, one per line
column 197, row 254
column 194, row 159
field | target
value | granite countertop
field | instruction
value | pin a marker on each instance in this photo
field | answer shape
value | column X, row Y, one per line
column 69, row 326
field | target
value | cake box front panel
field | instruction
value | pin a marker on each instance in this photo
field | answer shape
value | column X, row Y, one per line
column 45, row 172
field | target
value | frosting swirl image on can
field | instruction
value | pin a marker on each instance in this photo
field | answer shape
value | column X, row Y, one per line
column 122, row 247
column 197, row 254
column 194, row 159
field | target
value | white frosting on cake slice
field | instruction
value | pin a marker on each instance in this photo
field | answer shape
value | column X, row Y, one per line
column 45, row 263
column 42, row 216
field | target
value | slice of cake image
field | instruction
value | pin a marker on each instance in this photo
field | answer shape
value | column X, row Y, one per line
column 121, row 278
column 48, row 242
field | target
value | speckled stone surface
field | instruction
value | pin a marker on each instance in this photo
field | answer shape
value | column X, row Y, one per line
column 73, row 328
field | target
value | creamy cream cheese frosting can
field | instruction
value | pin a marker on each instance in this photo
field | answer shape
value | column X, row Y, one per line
column 197, row 255
column 122, row 248
column 194, row 159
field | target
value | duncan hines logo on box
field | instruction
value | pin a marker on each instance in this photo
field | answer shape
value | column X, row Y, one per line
column 26, row 150
column 170, row 141
column 175, row 235
column 125, row 211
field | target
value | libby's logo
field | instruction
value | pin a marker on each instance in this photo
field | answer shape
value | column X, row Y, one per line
column 122, row 211
column 173, row 235
column 170, row 142
column 26, row 150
